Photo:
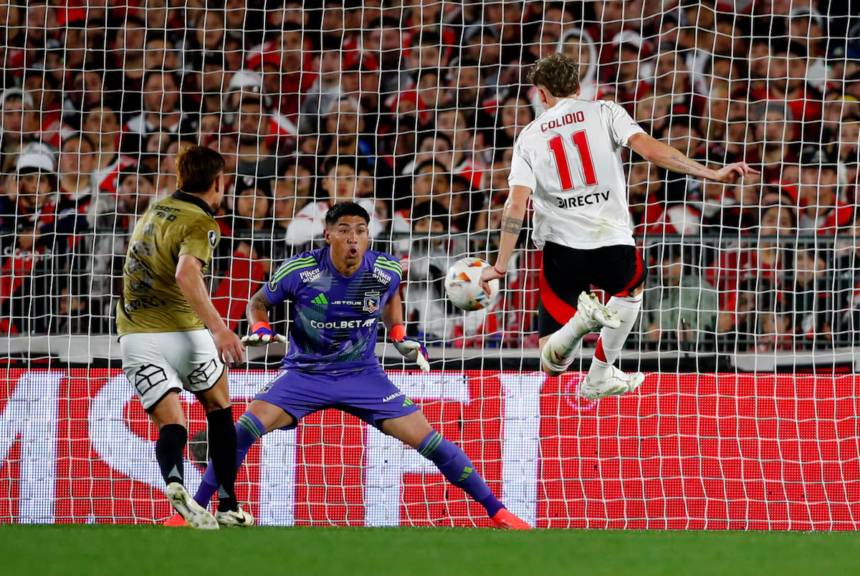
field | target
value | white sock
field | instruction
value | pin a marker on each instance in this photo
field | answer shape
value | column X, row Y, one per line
column 565, row 340
column 613, row 339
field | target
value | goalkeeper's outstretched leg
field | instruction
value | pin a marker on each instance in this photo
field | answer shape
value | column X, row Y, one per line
column 453, row 463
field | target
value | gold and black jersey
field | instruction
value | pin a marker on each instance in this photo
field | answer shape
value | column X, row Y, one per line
column 151, row 299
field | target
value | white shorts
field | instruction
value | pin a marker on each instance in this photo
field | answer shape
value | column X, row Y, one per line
column 157, row 363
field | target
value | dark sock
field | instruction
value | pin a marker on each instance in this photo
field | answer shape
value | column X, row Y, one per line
column 222, row 451
column 459, row 470
column 249, row 429
column 168, row 451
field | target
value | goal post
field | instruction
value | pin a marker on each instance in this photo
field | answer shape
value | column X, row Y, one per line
column 411, row 108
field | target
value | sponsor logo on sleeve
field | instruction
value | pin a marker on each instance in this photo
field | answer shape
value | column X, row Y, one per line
column 381, row 277
column 309, row 275
column 213, row 238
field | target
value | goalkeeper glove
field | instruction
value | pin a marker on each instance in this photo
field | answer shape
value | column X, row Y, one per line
column 409, row 347
column 262, row 335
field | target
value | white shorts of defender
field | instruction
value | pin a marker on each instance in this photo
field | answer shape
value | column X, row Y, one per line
column 157, row 363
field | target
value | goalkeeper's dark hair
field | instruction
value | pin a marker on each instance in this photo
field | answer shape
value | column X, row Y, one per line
column 342, row 209
column 558, row 73
column 197, row 168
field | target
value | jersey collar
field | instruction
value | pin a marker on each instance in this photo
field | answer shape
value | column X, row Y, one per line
column 562, row 101
column 196, row 200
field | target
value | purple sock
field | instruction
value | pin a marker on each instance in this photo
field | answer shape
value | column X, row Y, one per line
column 249, row 429
column 459, row 470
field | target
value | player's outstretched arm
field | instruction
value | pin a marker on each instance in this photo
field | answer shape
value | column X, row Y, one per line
column 392, row 317
column 512, row 224
column 257, row 313
column 667, row 157
column 189, row 277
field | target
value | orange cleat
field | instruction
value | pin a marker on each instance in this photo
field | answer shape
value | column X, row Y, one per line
column 507, row 520
column 176, row 521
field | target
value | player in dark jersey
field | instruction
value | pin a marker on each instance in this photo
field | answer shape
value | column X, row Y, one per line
column 172, row 337
column 339, row 294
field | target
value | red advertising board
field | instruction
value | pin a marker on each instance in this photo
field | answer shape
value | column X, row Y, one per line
column 687, row 451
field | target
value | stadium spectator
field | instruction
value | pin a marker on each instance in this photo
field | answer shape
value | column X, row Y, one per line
column 515, row 114
column 425, row 268
column 162, row 111
column 17, row 121
column 845, row 148
column 114, row 217
column 806, row 27
column 77, row 162
column 160, row 54
column 255, row 155
column 821, row 209
column 340, row 183
column 431, row 146
column 644, row 187
column 765, row 259
column 682, row 306
column 287, row 202
column 809, row 310
column 326, row 89
column 87, row 89
column 128, row 68
column 755, row 322
column 101, row 123
column 37, row 234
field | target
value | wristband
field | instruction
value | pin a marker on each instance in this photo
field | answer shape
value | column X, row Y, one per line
column 397, row 332
column 261, row 324
column 498, row 272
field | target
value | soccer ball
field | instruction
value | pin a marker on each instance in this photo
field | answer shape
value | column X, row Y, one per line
column 462, row 287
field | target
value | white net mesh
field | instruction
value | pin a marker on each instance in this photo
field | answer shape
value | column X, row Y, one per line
column 413, row 107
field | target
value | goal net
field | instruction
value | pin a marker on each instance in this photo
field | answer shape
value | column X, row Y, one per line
column 748, row 415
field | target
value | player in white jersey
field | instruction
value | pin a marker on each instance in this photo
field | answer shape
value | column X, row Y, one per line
column 569, row 161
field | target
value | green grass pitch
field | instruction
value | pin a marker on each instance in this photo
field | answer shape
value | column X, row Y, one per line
column 144, row 550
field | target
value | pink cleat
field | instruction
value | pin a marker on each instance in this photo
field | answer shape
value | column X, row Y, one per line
column 507, row 520
column 176, row 521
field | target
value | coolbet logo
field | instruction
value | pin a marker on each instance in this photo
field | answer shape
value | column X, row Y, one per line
column 381, row 276
column 344, row 324
column 371, row 302
column 587, row 199
column 309, row 275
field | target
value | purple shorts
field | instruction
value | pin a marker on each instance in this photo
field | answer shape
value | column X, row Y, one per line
column 367, row 394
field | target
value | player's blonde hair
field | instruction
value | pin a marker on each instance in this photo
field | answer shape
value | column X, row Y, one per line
column 558, row 73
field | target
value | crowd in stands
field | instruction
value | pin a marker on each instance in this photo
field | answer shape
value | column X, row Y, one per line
column 411, row 107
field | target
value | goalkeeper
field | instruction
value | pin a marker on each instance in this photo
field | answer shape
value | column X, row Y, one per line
column 339, row 294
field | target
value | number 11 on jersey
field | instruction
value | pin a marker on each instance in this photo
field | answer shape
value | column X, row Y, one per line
column 580, row 140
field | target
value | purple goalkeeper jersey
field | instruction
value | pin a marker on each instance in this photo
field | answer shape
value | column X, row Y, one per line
column 335, row 317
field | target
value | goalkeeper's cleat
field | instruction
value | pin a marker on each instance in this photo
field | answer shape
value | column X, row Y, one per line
column 234, row 518
column 176, row 521
column 195, row 515
column 594, row 314
column 607, row 380
column 507, row 520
